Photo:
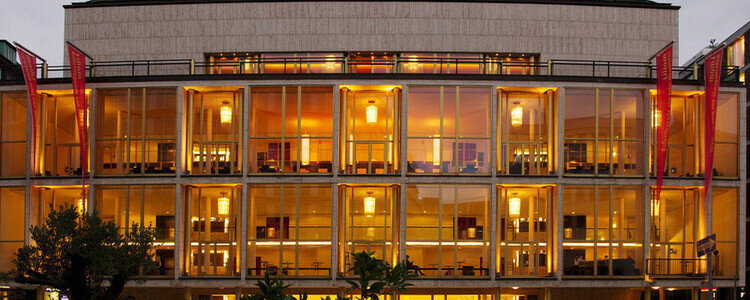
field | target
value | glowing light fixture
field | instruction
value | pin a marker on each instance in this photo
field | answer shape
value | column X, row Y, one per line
column 305, row 151
column 472, row 232
column 655, row 118
column 223, row 204
column 436, row 150
column 412, row 65
column 516, row 114
column 514, row 206
column 369, row 203
column 330, row 64
column 371, row 112
column 81, row 206
column 225, row 113
column 655, row 207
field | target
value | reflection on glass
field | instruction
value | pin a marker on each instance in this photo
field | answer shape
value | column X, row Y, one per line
column 290, row 129
column 59, row 131
column 211, row 236
column 724, row 224
column 447, row 230
column 525, row 127
column 370, row 129
column 214, row 130
column 525, row 232
column 135, row 131
column 362, row 229
column 676, row 222
column 13, row 134
column 448, row 130
column 603, row 231
column 289, row 230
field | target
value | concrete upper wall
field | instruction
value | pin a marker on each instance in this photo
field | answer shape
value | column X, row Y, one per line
column 190, row 30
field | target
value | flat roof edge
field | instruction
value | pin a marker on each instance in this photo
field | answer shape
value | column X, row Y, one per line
column 652, row 5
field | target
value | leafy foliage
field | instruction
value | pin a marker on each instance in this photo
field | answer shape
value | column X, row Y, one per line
column 272, row 289
column 77, row 253
column 376, row 277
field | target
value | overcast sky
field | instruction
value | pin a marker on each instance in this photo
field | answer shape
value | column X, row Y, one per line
column 38, row 24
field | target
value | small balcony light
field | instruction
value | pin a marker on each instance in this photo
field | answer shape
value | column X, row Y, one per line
column 655, row 118
column 371, row 112
column 412, row 65
column 330, row 64
column 223, row 204
column 516, row 115
column 655, row 207
column 225, row 113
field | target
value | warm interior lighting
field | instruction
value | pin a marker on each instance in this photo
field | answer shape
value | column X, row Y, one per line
column 514, row 206
column 655, row 207
column 225, row 113
column 330, row 64
column 81, row 206
column 223, row 204
column 472, row 232
column 656, row 118
column 516, row 114
column 371, row 112
column 412, row 65
column 369, row 203
column 436, row 150
column 305, row 151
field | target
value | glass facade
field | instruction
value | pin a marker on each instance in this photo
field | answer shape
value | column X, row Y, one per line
column 12, row 217
column 525, row 231
column 135, row 131
column 59, row 132
column 526, row 130
column 291, row 129
column 449, row 130
column 677, row 222
column 215, row 130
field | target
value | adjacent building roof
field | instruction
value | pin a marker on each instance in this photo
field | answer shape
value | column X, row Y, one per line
column 616, row 3
column 698, row 57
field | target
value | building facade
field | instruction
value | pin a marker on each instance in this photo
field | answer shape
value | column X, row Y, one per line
column 505, row 147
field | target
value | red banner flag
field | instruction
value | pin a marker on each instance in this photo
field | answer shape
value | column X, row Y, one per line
column 28, row 64
column 662, row 113
column 712, row 77
column 78, row 76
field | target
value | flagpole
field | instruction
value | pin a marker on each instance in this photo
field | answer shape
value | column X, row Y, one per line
column 662, row 49
column 79, row 50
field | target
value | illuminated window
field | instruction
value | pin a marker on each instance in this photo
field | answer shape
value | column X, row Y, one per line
column 57, row 196
column 603, row 231
column 526, row 127
column 604, row 132
column 371, row 63
column 448, row 130
column 214, row 130
column 59, row 131
column 359, row 230
column 12, row 210
column 736, row 53
column 135, row 131
column 682, row 155
column 289, row 230
column 447, row 229
column 147, row 205
column 291, row 129
column 726, row 148
column 370, row 129
column 212, row 239
column 302, row 63
column 525, row 235
column 443, row 63
column 13, row 134
column 724, row 223
column 677, row 221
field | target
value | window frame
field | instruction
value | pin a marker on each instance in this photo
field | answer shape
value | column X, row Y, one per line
column 503, row 121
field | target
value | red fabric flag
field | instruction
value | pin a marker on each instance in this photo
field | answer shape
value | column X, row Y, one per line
column 662, row 114
column 28, row 64
column 78, row 76
column 712, row 77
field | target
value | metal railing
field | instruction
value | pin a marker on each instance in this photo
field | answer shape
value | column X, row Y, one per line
column 684, row 267
column 397, row 65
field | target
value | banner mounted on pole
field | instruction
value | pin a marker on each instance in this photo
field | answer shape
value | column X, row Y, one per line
column 662, row 113
column 78, row 77
column 712, row 77
column 28, row 65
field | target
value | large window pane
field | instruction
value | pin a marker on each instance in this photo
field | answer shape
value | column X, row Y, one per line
column 212, row 237
column 290, row 129
column 682, row 156
column 215, row 130
column 370, row 129
column 289, row 230
column 59, row 133
column 525, row 236
column 724, row 224
column 676, row 222
column 447, row 230
column 12, row 229
column 525, row 123
column 367, row 223
column 136, row 131
column 13, row 134
column 449, row 130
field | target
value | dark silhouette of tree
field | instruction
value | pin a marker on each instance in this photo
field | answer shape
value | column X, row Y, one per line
column 79, row 253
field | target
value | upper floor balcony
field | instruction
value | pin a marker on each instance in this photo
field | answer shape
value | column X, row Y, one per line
column 316, row 63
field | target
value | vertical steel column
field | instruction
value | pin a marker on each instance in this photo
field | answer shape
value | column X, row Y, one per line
column 243, row 230
column 335, row 160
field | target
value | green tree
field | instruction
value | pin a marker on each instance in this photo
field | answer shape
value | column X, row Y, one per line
column 376, row 277
column 272, row 289
column 77, row 254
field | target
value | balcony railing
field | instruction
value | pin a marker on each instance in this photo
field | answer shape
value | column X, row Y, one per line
column 396, row 65
column 677, row 267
